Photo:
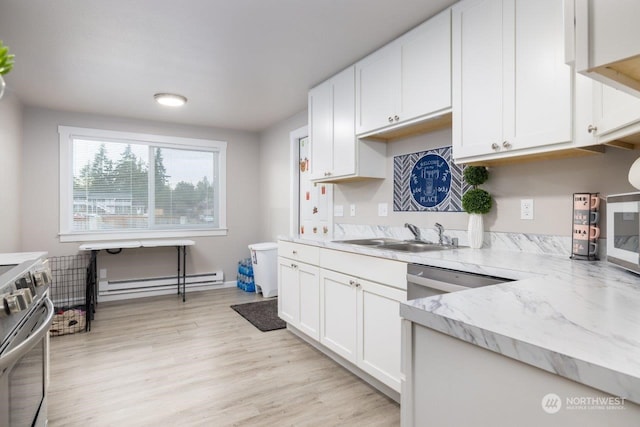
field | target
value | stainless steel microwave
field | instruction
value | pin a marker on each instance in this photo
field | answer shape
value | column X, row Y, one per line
column 623, row 230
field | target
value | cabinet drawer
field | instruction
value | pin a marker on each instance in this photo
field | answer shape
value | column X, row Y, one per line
column 380, row 270
column 299, row 252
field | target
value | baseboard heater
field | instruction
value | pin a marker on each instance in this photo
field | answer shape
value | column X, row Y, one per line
column 135, row 288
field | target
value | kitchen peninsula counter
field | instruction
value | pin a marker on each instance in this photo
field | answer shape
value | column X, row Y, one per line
column 577, row 319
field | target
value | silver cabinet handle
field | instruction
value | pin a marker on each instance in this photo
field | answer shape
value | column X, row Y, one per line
column 592, row 129
column 294, row 252
column 390, row 119
column 327, row 174
column 352, row 282
column 495, row 147
column 396, row 118
column 506, row 144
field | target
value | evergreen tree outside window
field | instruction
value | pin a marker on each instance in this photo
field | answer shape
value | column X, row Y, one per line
column 117, row 185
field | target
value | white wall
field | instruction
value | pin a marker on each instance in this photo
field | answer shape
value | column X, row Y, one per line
column 550, row 183
column 10, row 167
column 40, row 202
column 275, row 179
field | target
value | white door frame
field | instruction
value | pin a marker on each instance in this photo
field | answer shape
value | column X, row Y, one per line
column 294, row 178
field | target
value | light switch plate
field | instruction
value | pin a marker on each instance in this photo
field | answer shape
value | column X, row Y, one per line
column 352, row 210
column 338, row 210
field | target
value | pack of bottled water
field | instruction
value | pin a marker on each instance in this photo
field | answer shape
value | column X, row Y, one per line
column 245, row 275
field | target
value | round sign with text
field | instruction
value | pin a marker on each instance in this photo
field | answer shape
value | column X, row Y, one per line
column 430, row 180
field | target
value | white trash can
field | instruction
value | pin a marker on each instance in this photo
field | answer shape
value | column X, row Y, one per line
column 264, row 257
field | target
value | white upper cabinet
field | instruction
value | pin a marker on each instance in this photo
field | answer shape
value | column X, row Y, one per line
column 336, row 153
column 604, row 115
column 406, row 81
column 606, row 41
column 511, row 86
column 616, row 114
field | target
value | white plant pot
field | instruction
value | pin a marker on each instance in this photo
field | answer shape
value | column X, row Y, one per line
column 2, row 86
column 476, row 231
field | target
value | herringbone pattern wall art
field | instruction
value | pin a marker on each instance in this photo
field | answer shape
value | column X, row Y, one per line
column 428, row 181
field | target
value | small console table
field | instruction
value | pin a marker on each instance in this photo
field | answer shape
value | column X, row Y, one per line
column 179, row 244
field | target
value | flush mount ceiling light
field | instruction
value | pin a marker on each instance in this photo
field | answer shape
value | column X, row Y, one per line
column 170, row 99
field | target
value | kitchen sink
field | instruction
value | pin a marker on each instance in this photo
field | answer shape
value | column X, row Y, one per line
column 414, row 246
column 398, row 245
column 370, row 242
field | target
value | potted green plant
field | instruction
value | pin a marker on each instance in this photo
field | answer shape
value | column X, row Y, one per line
column 6, row 64
column 476, row 202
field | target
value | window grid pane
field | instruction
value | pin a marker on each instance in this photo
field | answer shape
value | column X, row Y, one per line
column 122, row 186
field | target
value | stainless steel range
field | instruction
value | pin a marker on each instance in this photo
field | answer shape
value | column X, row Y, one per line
column 26, row 314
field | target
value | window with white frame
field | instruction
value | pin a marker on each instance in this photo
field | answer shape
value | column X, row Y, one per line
column 116, row 185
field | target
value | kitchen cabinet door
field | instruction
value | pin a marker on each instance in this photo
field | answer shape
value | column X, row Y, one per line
column 542, row 110
column 338, row 326
column 477, row 33
column 321, row 128
column 425, row 69
column 288, row 291
column 344, row 136
column 511, row 88
column 616, row 113
column 379, row 331
column 309, row 293
column 299, row 296
column 377, row 83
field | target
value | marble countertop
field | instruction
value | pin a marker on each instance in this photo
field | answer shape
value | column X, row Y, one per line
column 576, row 319
column 20, row 257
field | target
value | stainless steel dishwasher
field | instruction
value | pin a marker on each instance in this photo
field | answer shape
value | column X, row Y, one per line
column 426, row 281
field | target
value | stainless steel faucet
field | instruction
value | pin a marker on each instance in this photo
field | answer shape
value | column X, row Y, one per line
column 440, row 230
column 414, row 230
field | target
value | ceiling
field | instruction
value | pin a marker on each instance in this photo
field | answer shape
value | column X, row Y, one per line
column 243, row 64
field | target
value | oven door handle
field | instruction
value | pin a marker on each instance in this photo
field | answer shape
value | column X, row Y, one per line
column 7, row 360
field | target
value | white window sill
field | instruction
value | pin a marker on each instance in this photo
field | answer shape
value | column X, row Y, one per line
column 155, row 234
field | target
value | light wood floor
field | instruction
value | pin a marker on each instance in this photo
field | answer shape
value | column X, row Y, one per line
column 159, row 362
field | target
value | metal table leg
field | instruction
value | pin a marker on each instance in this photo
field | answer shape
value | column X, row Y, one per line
column 182, row 279
column 184, row 273
column 90, row 291
column 178, row 277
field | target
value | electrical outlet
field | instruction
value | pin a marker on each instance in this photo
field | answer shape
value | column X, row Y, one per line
column 352, row 210
column 383, row 209
column 338, row 210
column 526, row 209
column 103, row 273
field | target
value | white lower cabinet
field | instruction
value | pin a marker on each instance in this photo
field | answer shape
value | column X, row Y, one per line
column 288, row 291
column 360, row 321
column 299, row 296
column 379, row 332
column 338, row 301
column 349, row 303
